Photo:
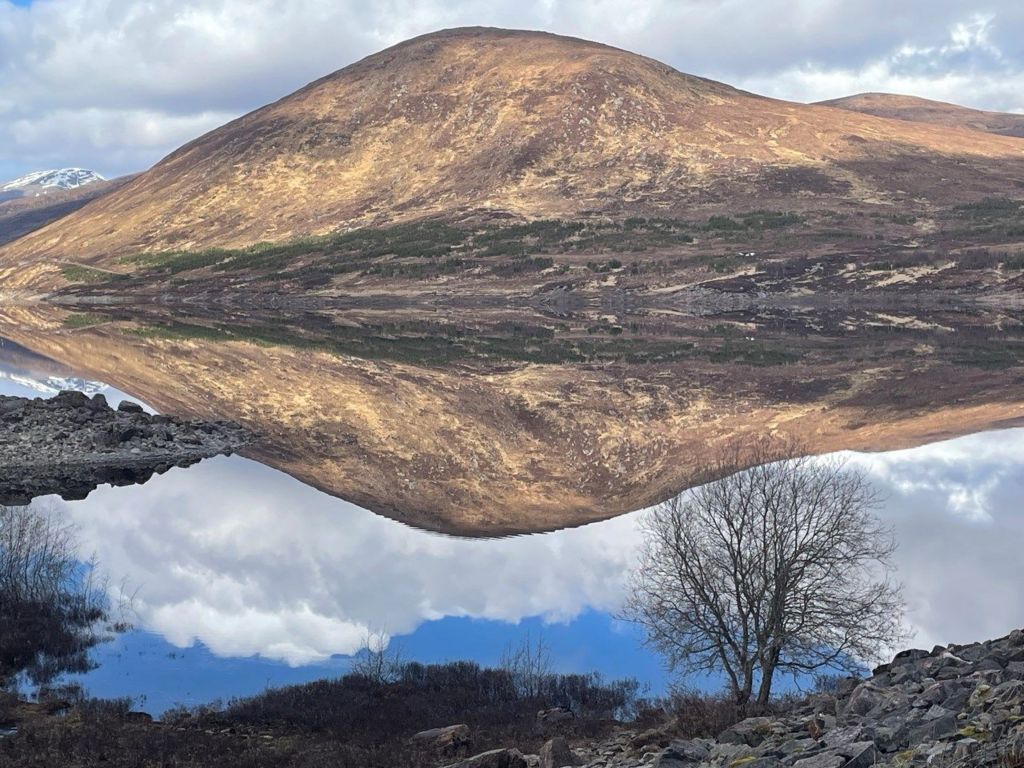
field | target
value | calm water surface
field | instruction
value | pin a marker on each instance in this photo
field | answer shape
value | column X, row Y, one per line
column 244, row 577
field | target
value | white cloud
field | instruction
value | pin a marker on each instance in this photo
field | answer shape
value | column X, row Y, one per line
column 116, row 84
column 966, row 67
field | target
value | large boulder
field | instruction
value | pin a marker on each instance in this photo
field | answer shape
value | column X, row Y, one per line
column 949, row 694
column 449, row 740
column 70, row 398
column 865, row 698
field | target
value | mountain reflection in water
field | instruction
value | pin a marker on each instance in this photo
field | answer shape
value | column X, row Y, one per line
column 487, row 421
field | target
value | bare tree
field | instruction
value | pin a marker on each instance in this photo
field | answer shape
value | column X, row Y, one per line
column 528, row 664
column 780, row 568
column 380, row 660
column 52, row 609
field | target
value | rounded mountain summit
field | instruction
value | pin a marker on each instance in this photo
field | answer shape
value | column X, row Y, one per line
column 469, row 122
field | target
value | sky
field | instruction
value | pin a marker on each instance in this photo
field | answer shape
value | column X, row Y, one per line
column 114, row 85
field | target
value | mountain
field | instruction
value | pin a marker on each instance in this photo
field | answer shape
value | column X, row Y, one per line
column 918, row 110
column 484, row 122
column 36, row 373
column 41, row 182
column 34, row 201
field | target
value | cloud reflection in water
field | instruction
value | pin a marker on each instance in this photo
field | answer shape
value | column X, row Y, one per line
column 249, row 561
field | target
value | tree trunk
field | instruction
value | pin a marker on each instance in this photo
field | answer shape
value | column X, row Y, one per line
column 764, row 694
column 743, row 692
column 742, row 699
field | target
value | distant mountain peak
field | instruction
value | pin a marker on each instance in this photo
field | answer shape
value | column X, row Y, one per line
column 918, row 110
column 59, row 178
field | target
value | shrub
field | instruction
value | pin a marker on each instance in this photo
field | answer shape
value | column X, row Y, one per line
column 724, row 224
column 362, row 709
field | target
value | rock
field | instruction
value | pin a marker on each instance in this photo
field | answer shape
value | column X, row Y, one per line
column 71, row 443
column 909, row 657
column 965, row 748
column 843, row 737
column 683, row 753
column 866, row 697
column 955, row 706
column 1007, row 695
column 11, row 405
column 556, row 754
column 939, row 727
column 824, row 760
column 495, row 758
column 125, row 433
column 655, row 737
column 797, row 747
column 988, row 663
column 938, row 753
column 70, row 398
column 449, row 740
column 730, row 753
column 980, row 696
column 860, row 754
column 751, row 732
column 128, row 407
column 550, row 719
column 949, row 694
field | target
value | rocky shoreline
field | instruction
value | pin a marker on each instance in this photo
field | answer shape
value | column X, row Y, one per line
column 71, row 443
column 957, row 706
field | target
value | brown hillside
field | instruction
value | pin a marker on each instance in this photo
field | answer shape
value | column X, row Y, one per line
column 528, row 123
column 919, row 110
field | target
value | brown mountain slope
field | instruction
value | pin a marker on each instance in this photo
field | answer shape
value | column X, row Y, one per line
column 919, row 110
column 529, row 123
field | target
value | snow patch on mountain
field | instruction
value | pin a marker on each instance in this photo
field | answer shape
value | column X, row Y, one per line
column 52, row 385
column 56, row 178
